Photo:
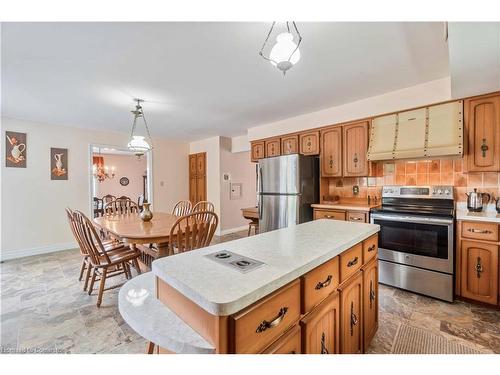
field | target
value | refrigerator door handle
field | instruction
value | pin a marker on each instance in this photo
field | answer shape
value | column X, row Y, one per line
column 260, row 192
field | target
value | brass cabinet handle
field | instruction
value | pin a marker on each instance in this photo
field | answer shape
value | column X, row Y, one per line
column 352, row 262
column 484, row 147
column 355, row 218
column 355, row 160
column 323, row 284
column 372, row 294
column 372, row 247
column 274, row 322
column 354, row 318
column 331, row 161
column 324, row 350
column 479, row 267
column 485, row 231
column 328, row 217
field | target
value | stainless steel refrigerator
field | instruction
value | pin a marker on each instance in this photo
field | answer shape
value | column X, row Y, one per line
column 286, row 187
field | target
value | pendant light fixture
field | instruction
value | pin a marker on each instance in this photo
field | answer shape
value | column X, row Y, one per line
column 138, row 144
column 285, row 53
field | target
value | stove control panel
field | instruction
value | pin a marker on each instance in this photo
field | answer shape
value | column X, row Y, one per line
column 429, row 192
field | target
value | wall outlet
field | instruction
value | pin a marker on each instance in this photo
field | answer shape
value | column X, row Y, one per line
column 355, row 189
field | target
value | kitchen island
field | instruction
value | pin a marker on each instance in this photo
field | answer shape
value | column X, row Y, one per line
column 310, row 288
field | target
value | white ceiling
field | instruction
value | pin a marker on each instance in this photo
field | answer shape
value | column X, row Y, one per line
column 204, row 79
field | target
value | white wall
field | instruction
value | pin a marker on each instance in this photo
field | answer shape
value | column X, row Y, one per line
column 242, row 171
column 33, row 217
column 212, row 147
column 125, row 166
column 414, row 96
column 240, row 143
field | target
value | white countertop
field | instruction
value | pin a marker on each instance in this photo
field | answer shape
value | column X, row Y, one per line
column 489, row 214
column 287, row 253
column 154, row 321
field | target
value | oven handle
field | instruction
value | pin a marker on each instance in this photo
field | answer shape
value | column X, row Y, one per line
column 413, row 219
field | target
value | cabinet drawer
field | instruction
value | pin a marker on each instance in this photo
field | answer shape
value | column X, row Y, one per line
column 329, row 214
column 319, row 283
column 351, row 261
column 480, row 231
column 370, row 248
column 254, row 328
column 356, row 216
column 289, row 343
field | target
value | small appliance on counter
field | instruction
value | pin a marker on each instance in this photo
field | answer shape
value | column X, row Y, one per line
column 476, row 201
column 497, row 204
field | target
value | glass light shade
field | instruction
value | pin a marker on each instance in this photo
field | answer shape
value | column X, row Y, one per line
column 282, row 50
column 138, row 144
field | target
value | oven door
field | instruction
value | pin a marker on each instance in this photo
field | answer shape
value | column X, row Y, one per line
column 423, row 242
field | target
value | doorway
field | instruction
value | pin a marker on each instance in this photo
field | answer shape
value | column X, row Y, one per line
column 117, row 172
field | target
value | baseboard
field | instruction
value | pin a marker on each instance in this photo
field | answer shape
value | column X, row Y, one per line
column 233, row 230
column 21, row 253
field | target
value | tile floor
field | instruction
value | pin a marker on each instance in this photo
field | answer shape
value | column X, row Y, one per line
column 43, row 308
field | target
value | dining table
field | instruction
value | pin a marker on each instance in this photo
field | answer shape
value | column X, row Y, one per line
column 131, row 230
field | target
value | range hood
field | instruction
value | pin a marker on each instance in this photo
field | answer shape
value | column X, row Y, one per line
column 433, row 131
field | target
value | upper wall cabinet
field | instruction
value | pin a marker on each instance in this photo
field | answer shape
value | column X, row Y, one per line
column 257, row 150
column 273, row 147
column 482, row 122
column 355, row 139
column 309, row 143
column 290, row 145
column 331, row 152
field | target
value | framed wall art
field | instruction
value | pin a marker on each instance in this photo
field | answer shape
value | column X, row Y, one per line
column 58, row 163
column 15, row 149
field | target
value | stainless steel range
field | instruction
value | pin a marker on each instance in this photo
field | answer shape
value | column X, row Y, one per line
column 416, row 239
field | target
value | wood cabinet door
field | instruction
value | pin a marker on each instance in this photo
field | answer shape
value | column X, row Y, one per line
column 331, row 152
column 193, row 197
column 289, row 343
column 355, row 146
column 290, row 145
column 479, row 271
column 272, row 147
column 309, row 143
column 201, row 189
column 482, row 122
column 257, row 150
column 320, row 328
column 351, row 317
column 192, row 165
column 201, row 164
column 370, row 302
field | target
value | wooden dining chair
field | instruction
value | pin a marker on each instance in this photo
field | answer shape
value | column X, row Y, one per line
column 110, row 245
column 98, row 207
column 203, row 206
column 182, row 208
column 192, row 231
column 104, row 263
column 108, row 198
column 121, row 206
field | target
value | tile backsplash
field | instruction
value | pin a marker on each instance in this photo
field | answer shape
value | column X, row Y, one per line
column 426, row 172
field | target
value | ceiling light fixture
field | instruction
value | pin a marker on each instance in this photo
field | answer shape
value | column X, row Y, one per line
column 137, row 143
column 285, row 53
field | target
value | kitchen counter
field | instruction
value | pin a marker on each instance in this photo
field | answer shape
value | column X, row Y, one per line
column 287, row 254
column 489, row 214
